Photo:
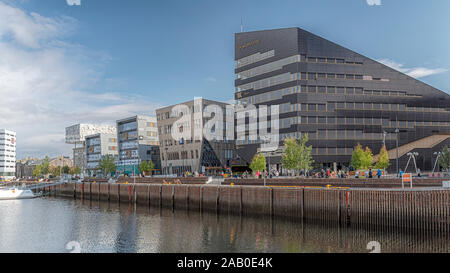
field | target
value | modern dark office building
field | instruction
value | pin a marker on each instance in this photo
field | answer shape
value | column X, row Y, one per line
column 339, row 97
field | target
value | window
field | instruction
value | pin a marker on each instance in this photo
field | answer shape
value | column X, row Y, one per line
column 331, row 90
column 340, row 90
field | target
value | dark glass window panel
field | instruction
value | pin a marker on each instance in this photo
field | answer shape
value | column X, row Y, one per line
column 358, row 77
column 340, row 76
column 402, row 93
column 358, row 105
column 322, row 89
column 303, row 89
column 341, row 105
column 311, row 59
column 331, row 106
column 311, row 89
column 376, row 106
column 368, row 106
column 340, row 90
column 359, row 121
column 385, row 106
column 331, row 120
column 350, row 120
column 321, row 60
column 322, row 120
column 367, row 92
column 331, row 90
column 312, row 76
column 312, row 120
column 331, row 76
column 303, row 58
column 304, row 76
column 350, row 90
column 402, row 107
column 368, row 121
column 394, row 93
column 385, row 93
column 377, row 121
column 341, row 120
column 322, row 134
column 322, row 75
column 322, row 151
column 358, row 134
column 402, row 124
column 322, row 107
column 304, row 120
column 350, row 76
column 385, row 122
column 358, row 91
column 331, row 60
column 340, row 61
column 350, row 105
column 340, row 134
column 332, row 134
column 340, row 151
column 311, row 107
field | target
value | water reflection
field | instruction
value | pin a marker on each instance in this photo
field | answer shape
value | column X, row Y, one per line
column 47, row 225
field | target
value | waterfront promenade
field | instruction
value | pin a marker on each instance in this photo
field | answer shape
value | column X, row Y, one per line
column 425, row 207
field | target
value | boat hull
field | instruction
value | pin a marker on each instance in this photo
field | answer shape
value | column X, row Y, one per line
column 13, row 194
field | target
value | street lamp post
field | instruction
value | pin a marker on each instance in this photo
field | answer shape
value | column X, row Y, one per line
column 396, row 145
column 167, row 168
column 435, row 163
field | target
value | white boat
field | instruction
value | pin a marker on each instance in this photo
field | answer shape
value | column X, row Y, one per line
column 15, row 193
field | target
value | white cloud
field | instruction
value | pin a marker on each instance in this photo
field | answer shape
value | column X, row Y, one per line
column 74, row 2
column 210, row 79
column 44, row 83
column 373, row 2
column 415, row 72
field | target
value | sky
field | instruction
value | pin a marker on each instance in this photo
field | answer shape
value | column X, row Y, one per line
column 64, row 62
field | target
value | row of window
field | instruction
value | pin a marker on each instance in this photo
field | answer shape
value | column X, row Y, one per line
column 332, row 106
column 254, row 58
column 287, row 122
column 280, row 63
column 278, row 94
column 287, row 77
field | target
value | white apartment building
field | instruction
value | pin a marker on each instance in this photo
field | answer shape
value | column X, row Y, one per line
column 7, row 154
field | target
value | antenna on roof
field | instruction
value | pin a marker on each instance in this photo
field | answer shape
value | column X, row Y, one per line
column 242, row 26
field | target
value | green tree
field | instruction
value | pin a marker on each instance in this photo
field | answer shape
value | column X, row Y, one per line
column 37, row 172
column 45, row 166
column 444, row 159
column 367, row 158
column 357, row 157
column 66, row 169
column 55, row 171
column 75, row 170
column 258, row 163
column 146, row 167
column 361, row 159
column 297, row 155
column 106, row 165
column 383, row 159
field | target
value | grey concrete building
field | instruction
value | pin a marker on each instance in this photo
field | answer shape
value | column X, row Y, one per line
column 339, row 98
column 195, row 153
column 97, row 147
column 138, row 141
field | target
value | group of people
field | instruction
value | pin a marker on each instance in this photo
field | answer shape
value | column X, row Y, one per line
column 369, row 173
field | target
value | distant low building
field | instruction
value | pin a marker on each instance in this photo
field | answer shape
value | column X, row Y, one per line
column 61, row 161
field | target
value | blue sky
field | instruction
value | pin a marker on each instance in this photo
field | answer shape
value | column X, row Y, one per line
column 105, row 59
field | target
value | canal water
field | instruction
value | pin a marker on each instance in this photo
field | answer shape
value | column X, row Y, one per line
column 59, row 225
